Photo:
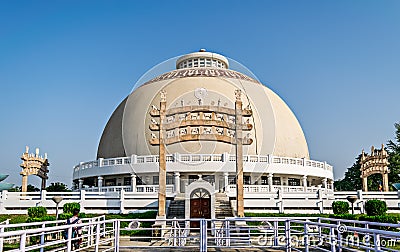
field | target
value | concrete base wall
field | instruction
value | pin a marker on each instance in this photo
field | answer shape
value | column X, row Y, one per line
column 125, row 202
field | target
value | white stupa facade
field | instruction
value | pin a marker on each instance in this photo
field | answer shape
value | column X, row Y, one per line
column 200, row 129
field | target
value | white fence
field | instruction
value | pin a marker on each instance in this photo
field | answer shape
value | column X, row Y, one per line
column 283, row 234
column 42, row 236
column 257, row 198
column 101, row 202
column 254, row 189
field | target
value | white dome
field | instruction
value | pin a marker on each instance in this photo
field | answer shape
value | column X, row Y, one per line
column 275, row 130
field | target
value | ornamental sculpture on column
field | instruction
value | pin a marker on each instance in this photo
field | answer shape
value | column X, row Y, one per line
column 33, row 164
column 200, row 123
column 376, row 162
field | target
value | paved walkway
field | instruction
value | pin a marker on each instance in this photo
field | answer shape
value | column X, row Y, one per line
column 215, row 249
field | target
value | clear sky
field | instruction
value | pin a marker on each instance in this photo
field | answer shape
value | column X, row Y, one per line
column 66, row 65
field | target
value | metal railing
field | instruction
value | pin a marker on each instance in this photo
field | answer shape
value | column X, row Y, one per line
column 51, row 234
column 32, row 225
column 286, row 234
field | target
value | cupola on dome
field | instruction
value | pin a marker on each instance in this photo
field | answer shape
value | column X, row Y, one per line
column 202, row 59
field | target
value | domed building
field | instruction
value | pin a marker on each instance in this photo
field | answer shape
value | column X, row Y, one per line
column 210, row 128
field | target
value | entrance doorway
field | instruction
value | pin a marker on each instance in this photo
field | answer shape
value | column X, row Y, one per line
column 200, row 206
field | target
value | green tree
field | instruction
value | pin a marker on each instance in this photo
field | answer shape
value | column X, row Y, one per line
column 15, row 189
column 374, row 181
column 29, row 188
column 57, row 187
column 393, row 149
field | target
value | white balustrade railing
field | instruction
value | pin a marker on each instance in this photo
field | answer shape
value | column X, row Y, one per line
column 153, row 188
column 109, row 189
column 22, row 196
column 145, row 197
column 196, row 158
column 139, row 189
column 105, row 200
column 254, row 189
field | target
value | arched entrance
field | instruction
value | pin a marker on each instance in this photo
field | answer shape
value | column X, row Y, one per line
column 376, row 162
column 200, row 206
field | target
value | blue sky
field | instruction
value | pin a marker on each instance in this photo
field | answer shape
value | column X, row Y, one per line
column 66, row 65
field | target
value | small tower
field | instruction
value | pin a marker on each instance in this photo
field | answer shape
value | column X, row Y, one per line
column 376, row 162
column 33, row 164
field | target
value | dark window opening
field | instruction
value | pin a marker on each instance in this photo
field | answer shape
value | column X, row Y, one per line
column 127, row 181
column 293, row 182
column 264, row 180
column 111, row 182
column 247, row 180
column 276, row 181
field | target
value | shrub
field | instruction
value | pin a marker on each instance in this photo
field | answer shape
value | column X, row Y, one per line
column 375, row 207
column 340, row 207
column 37, row 212
column 382, row 219
column 17, row 219
column 69, row 207
column 41, row 219
column 143, row 215
column 64, row 216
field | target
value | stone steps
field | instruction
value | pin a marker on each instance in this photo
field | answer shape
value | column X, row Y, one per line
column 176, row 209
column 222, row 206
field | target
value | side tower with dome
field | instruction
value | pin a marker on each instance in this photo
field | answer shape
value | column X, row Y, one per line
column 199, row 137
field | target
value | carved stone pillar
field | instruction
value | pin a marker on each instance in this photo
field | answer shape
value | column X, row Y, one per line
column 239, row 154
column 162, row 194
column 24, row 183
column 365, row 184
column 177, row 182
column 43, row 184
column 385, row 182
